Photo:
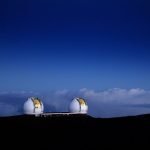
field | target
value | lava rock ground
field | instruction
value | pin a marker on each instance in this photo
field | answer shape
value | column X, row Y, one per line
column 75, row 132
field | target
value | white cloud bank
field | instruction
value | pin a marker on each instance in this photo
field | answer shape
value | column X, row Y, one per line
column 117, row 102
column 117, row 95
column 107, row 103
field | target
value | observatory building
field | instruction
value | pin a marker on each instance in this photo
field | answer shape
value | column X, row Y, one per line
column 78, row 105
column 33, row 106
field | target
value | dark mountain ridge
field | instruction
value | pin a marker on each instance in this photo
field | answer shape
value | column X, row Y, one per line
column 78, row 130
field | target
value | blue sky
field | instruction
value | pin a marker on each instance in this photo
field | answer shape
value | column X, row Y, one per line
column 74, row 44
column 55, row 45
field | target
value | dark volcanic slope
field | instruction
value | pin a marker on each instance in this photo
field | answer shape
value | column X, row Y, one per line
column 77, row 130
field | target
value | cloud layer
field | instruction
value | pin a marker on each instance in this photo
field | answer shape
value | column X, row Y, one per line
column 117, row 102
column 107, row 103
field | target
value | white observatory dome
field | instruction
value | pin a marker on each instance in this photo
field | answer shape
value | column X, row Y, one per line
column 33, row 106
column 78, row 105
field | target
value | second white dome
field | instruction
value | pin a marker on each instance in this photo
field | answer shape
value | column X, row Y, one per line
column 78, row 105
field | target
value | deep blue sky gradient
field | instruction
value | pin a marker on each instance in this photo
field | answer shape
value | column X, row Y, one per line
column 46, row 45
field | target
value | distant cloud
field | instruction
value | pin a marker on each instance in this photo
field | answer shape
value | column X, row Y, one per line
column 107, row 103
column 117, row 102
column 8, row 109
column 11, row 103
column 118, row 95
column 59, row 100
